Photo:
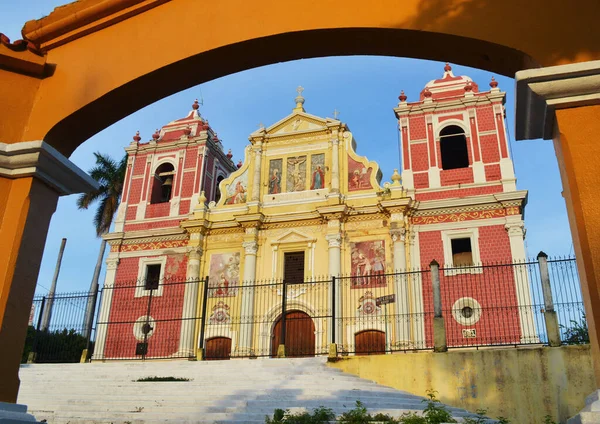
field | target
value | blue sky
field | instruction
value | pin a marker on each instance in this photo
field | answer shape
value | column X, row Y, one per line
column 363, row 88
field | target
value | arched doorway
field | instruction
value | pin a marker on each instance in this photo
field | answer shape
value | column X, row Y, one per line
column 217, row 348
column 299, row 335
column 369, row 342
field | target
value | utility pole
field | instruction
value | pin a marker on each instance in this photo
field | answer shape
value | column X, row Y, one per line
column 93, row 294
column 47, row 313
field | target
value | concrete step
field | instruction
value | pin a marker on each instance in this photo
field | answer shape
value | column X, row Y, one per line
column 240, row 391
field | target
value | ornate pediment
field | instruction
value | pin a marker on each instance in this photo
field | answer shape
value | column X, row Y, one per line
column 297, row 122
column 294, row 236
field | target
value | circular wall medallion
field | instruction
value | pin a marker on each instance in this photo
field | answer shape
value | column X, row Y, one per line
column 368, row 308
column 466, row 311
column 144, row 327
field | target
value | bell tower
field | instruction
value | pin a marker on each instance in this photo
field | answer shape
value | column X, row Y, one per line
column 454, row 140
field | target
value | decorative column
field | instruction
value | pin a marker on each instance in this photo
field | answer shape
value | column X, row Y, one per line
column 516, row 235
column 335, row 268
column 190, row 303
column 335, row 165
column 104, row 315
column 257, row 167
column 245, row 345
column 401, row 287
column 415, row 287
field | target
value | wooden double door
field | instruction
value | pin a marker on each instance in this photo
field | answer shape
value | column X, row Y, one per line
column 299, row 335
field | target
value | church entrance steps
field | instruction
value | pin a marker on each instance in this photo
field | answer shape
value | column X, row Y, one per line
column 237, row 391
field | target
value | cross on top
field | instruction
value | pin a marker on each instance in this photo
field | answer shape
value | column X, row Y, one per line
column 260, row 125
column 300, row 89
column 335, row 113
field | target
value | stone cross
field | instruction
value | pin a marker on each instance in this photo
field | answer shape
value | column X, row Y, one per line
column 335, row 113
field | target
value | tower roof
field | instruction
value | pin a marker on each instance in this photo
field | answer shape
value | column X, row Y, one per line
column 448, row 85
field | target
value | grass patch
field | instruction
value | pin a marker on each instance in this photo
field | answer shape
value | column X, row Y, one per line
column 156, row 378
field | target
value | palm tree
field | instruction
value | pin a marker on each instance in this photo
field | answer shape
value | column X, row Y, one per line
column 110, row 176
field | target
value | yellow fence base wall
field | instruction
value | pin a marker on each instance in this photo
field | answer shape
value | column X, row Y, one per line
column 523, row 384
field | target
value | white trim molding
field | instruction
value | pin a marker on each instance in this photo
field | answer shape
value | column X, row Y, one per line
column 143, row 262
column 447, row 237
column 40, row 160
column 541, row 91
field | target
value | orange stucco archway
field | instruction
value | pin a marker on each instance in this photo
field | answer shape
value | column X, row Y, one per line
column 109, row 58
column 91, row 63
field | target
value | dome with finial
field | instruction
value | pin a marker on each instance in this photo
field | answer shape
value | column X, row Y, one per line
column 156, row 135
column 229, row 154
column 493, row 83
column 196, row 105
column 402, row 97
column 239, row 164
column 426, row 93
column 449, row 85
column 468, row 87
column 137, row 137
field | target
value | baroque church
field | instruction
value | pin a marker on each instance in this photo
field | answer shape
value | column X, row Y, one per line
column 209, row 257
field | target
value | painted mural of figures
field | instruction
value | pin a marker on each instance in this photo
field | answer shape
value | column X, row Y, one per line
column 296, row 173
column 368, row 264
column 359, row 176
column 318, row 173
column 275, row 176
column 236, row 191
column 223, row 276
column 239, row 195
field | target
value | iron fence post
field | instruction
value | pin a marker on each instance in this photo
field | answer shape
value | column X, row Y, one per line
column 281, row 347
column 550, row 317
column 203, row 316
column 439, row 326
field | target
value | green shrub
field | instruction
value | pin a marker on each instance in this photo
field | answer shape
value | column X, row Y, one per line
column 577, row 333
column 155, row 378
column 319, row 415
column 54, row 346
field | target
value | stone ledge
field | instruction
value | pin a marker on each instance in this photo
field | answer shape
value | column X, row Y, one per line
column 40, row 160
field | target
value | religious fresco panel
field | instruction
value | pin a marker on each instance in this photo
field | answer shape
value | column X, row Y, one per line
column 224, row 274
column 368, row 264
column 317, row 171
column 237, row 191
column 275, row 168
column 296, row 173
column 359, row 176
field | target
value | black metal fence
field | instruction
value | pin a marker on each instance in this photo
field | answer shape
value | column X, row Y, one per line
column 488, row 305
column 58, row 331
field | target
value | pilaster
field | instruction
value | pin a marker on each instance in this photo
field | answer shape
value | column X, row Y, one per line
column 108, row 289
column 190, row 301
column 32, row 176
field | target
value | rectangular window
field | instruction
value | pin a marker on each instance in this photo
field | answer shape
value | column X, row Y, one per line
column 152, row 277
column 462, row 252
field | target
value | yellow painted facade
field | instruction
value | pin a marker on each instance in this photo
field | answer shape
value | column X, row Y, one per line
column 262, row 223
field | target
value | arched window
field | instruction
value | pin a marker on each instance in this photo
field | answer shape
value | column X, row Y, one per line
column 453, row 145
column 217, row 189
column 163, row 183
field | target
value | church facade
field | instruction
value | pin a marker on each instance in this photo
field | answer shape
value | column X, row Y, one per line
column 205, row 253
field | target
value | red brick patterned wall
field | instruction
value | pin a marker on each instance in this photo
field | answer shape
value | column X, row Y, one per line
column 166, row 310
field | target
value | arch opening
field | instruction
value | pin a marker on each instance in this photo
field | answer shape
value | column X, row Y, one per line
column 453, row 147
column 162, row 185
